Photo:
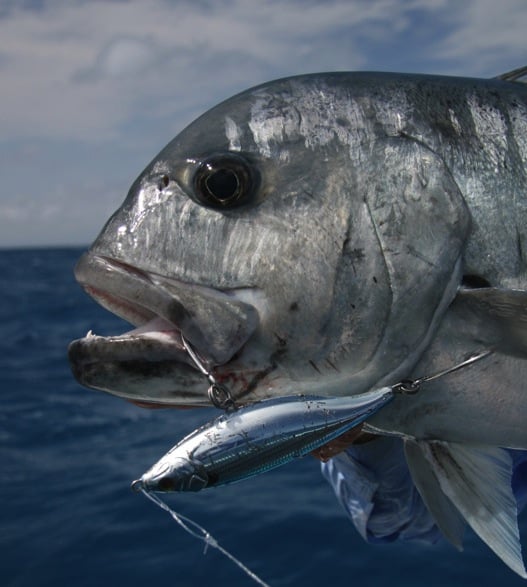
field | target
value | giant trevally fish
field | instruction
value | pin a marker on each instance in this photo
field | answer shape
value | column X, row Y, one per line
column 327, row 234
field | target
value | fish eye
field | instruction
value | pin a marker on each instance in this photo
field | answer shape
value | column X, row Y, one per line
column 224, row 181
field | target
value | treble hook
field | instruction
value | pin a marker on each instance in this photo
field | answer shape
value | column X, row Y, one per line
column 411, row 386
column 218, row 394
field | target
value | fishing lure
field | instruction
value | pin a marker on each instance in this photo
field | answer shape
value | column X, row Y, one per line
column 257, row 438
column 247, row 441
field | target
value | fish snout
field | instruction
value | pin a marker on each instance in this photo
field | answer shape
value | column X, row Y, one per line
column 217, row 323
column 150, row 364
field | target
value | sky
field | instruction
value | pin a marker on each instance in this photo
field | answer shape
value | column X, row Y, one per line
column 91, row 90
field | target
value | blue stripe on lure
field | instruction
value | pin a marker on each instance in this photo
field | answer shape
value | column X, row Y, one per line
column 257, row 438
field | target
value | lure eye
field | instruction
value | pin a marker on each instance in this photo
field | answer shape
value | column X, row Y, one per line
column 166, row 484
column 225, row 181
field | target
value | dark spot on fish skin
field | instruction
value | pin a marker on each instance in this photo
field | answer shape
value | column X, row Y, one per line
column 293, row 307
column 312, row 363
column 519, row 246
column 374, row 279
column 177, row 313
column 357, row 254
column 332, row 365
column 352, row 256
column 281, row 341
column 309, row 194
column 474, row 282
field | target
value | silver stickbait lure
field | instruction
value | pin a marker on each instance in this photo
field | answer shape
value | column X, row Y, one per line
column 248, row 441
column 257, row 438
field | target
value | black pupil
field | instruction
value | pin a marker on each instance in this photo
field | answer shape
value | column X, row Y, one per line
column 223, row 184
column 166, row 484
column 223, row 181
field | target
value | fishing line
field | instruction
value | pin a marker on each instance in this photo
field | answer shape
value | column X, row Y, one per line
column 194, row 529
column 411, row 386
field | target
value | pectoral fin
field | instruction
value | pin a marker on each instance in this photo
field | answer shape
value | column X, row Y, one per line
column 445, row 515
column 500, row 315
column 477, row 480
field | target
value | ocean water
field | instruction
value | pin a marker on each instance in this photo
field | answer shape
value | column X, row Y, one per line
column 68, row 455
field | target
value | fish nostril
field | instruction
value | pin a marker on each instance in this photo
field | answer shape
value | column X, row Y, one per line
column 163, row 182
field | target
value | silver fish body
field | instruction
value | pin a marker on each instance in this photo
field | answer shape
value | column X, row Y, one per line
column 258, row 438
column 330, row 234
column 358, row 203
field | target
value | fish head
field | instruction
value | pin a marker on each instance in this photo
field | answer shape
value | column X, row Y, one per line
column 172, row 474
column 296, row 235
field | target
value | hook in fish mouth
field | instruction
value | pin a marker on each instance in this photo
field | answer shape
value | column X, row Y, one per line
column 151, row 363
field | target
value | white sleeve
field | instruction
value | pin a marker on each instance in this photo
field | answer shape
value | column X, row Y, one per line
column 373, row 484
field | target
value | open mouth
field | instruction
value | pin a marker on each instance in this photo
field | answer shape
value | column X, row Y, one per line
column 151, row 361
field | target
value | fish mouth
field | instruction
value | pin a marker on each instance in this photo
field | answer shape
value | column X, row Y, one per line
column 150, row 364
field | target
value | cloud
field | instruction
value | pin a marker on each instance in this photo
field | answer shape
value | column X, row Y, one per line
column 121, row 58
column 85, row 70
column 57, row 193
column 487, row 35
column 91, row 90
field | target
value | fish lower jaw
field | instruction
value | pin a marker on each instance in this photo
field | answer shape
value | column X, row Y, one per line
column 156, row 340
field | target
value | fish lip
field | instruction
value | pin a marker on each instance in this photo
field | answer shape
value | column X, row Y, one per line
column 99, row 277
column 153, row 303
column 162, row 345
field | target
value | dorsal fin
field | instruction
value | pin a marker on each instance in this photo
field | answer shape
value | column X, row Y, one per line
column 516, row 75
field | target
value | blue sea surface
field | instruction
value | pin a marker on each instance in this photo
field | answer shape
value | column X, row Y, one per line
column 68, row 455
